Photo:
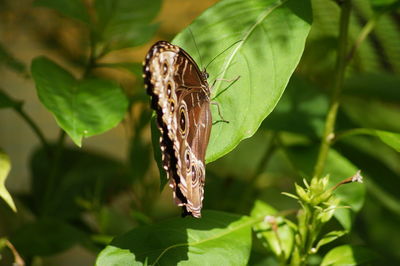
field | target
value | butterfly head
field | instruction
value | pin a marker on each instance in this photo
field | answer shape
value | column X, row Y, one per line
column 205, row 74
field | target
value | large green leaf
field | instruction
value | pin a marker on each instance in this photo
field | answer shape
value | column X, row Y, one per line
column 271, row 35
column 124, row 23
column 216, row 239
column 338, row 168
column 5, row 167
column 348, row 255
column 82, row 108
column 70, row 8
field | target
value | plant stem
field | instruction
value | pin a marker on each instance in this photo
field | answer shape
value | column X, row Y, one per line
column 361, row 37
column 91, row 59
column 18, row 261
column 34, row 127
column 352, row 132
column 337, row 89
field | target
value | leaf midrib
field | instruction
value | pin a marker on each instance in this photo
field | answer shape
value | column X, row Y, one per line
column 247, row 34
column 249, row 31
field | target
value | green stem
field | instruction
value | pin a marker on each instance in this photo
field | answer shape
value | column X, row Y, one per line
column 337, row 89
column 34, row 127
column 362, row 36
column 18, row 261
column 352, row 132
column 92, row 58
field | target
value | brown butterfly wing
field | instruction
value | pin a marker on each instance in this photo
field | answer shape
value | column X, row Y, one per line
column 180, row 97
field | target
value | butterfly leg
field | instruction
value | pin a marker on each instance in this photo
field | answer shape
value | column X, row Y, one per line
column 219, row 113
column 232, row 81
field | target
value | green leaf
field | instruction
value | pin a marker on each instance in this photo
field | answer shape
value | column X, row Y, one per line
column 5, row 167
column 71, row 8
column 216, row 239
column 271, row 35
column 329, row 237
column 281, row 246
column 82, row 108
column 389, row 138
column 46, row 237
column 348, row 255
column 124, row 23
column 338, row 169
column 7, row 102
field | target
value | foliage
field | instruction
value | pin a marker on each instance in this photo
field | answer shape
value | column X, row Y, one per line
column 316, row 100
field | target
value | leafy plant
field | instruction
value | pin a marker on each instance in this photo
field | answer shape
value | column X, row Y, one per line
column 316, row 101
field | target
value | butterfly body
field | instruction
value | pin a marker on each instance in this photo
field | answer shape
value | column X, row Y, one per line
column 180, row 95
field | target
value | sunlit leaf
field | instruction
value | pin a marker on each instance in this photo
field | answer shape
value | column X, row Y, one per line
column 329, row 237
column 216, row 239
column 348, row 255
column 5, row 167
column 82, row 108
column 269, row 37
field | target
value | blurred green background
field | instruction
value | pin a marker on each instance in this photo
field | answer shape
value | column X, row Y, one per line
column 111, row 184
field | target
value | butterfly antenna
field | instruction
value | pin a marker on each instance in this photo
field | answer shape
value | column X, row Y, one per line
column 215, row 57
column 197, row 48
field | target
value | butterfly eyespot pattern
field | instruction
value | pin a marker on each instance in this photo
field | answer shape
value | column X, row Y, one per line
column 180, row 96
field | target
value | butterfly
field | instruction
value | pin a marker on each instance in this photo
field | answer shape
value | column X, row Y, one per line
column 180, row 96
